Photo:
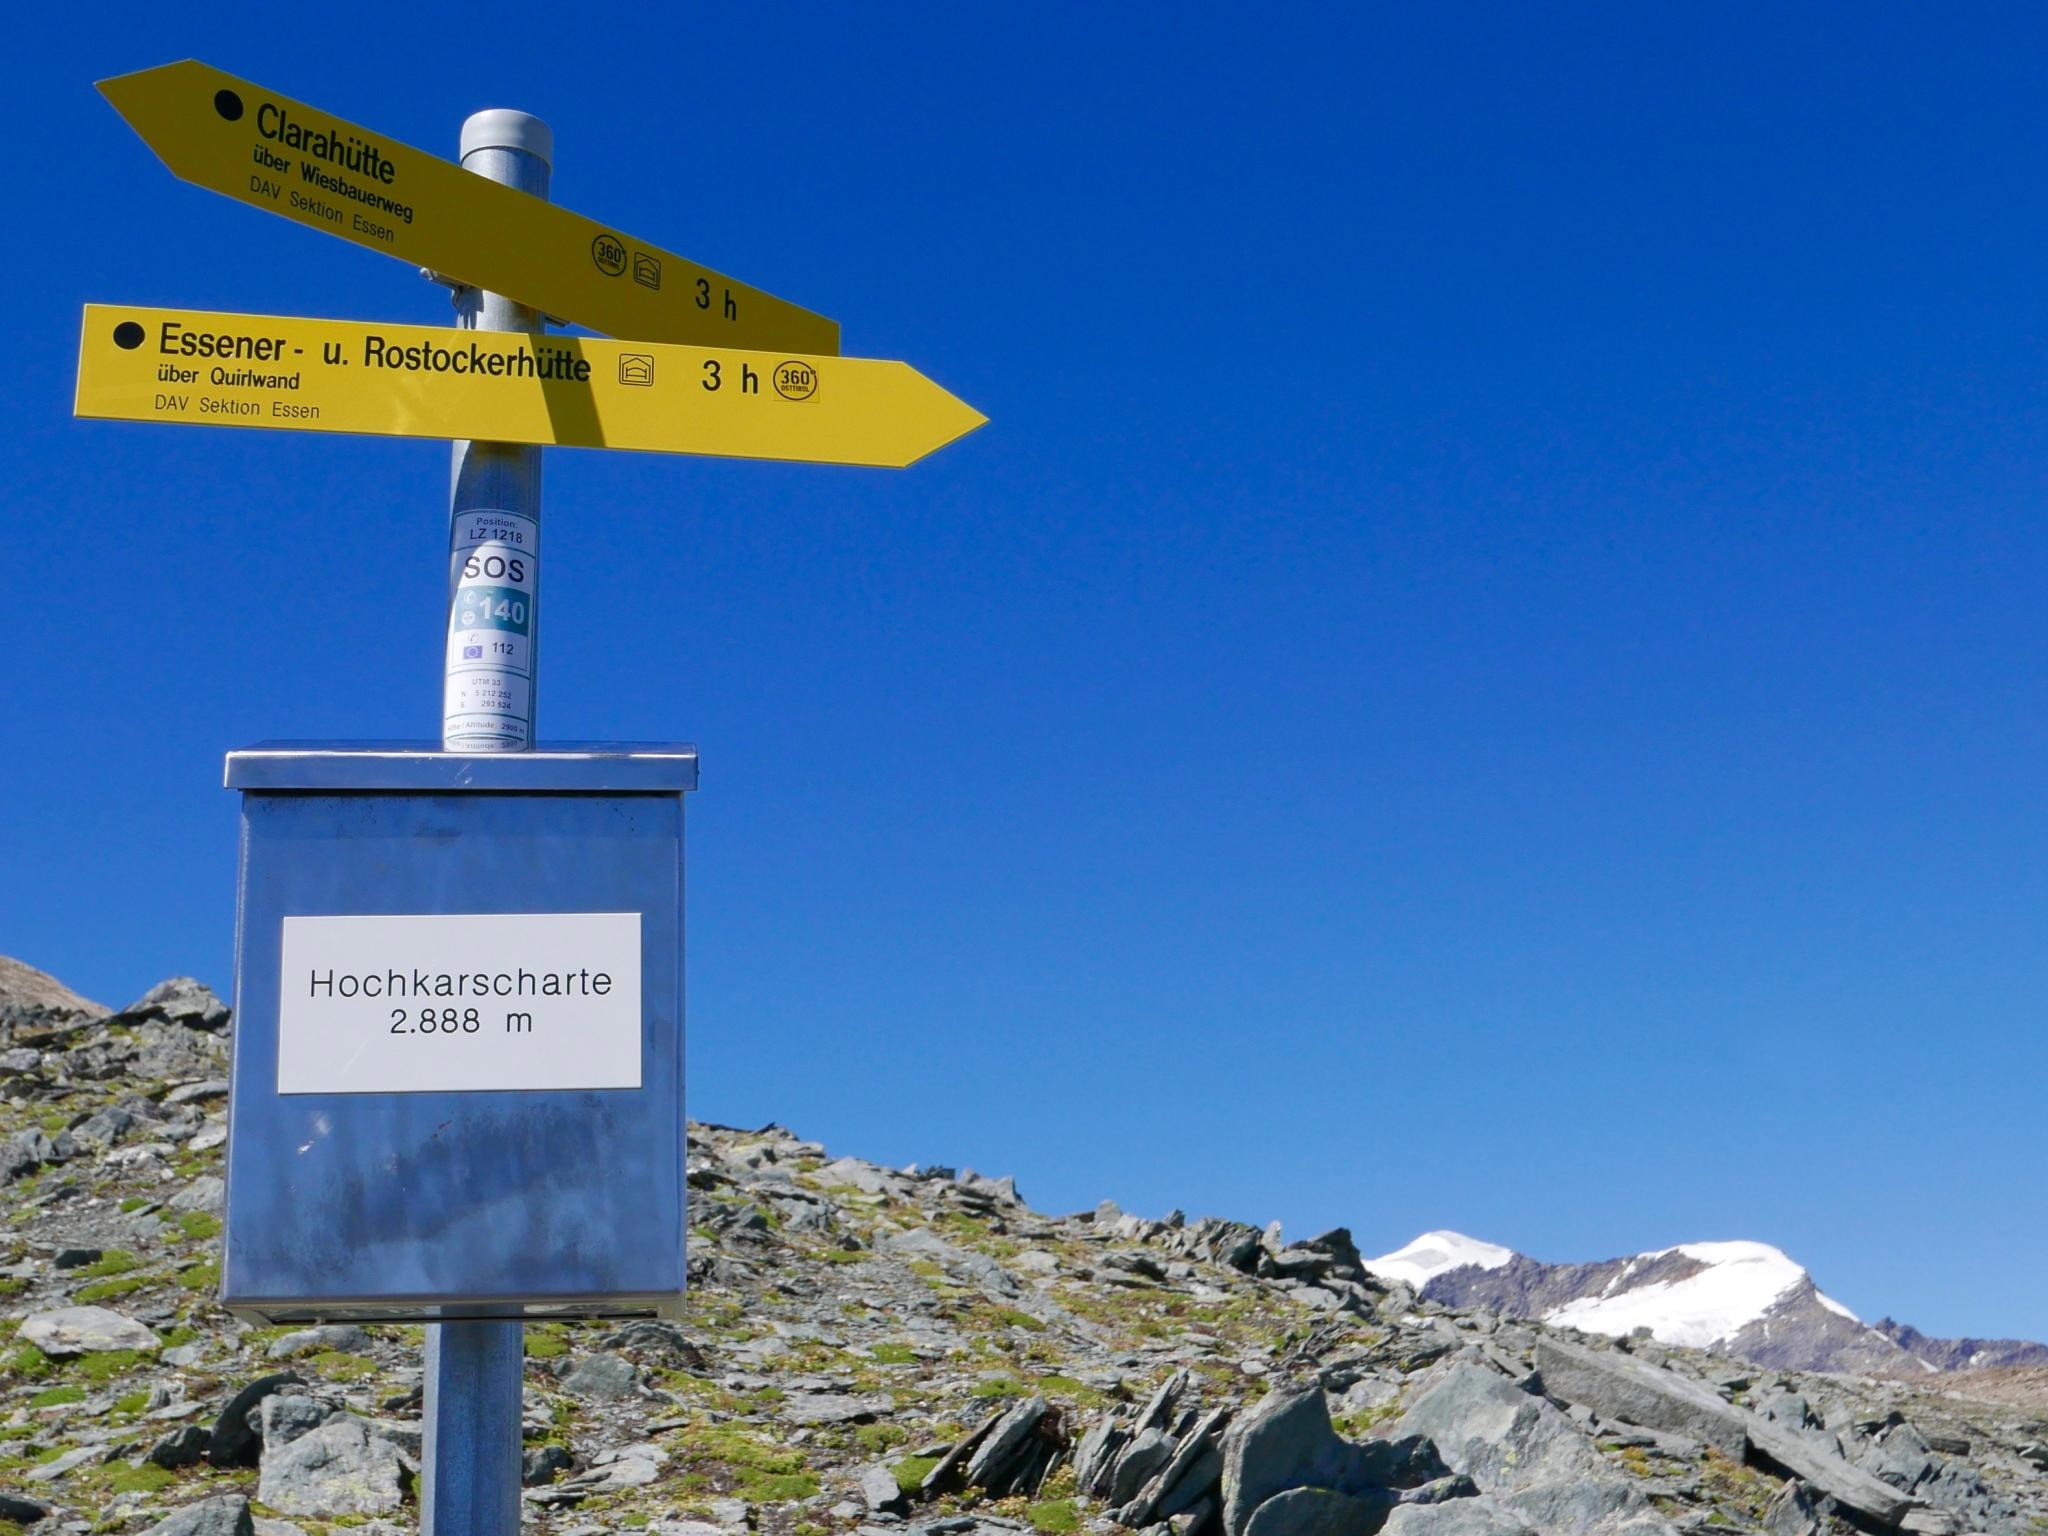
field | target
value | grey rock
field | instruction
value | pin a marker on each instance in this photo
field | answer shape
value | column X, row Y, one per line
column 1619, row 1386
column 1195, row 1467
column 1459, row 1517
column 206, row 1193
column 834, row 1408
column 602, row 1377
column 182, row 1447
column 540, row 1464
column 879, row 1489
column 181, row 1001
column 1320, row 1512
column 344, row 1337
column 24, row 1152
column 227, row 1515
column 1902, row 1458
column 998, row 1453
column 77, row 1258
column 22, row 1511
column 283, row 1417
column 1145, row 1455
column 70, row 1461
column 235, row 1441
column 187, row 1093
column 1159, row 1408
column 651, row 1336
column 103, row 1128
column 166, row 1051
column 1850, row 1486
column 1523, row 1451
column 338, row 1469
column 950, row 1464
column 1095, row 1458
column 1286, row 1441
column 85, row 1330
column 1796, row 1510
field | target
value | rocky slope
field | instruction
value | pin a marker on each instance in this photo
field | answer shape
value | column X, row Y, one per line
column 1747, row 1300
column 874, row 1352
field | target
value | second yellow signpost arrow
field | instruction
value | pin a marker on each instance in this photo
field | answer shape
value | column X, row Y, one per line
column 210, row 369
column 258, row 147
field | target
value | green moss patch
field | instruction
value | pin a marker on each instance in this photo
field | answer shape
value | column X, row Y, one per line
column 1056, row 1516
column 50, row 1397
column 911, row 1471
column 104, row 1290
column 197, row 1224
column 337, row 1366
column 105, row 1365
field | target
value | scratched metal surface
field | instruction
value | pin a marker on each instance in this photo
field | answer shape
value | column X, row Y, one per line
column 456, row 1205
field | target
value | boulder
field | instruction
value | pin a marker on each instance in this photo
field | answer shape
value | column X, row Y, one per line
column 227, row 1515
column 1144, row 1456
column 20, row 1510
column 1459, row 1517
column 834, row 1408
column 1320, row 1512
column 184, row 1446
column 235, row 1440
column 1287, row 1442
column 537, row 1468
column 284, row 1416
column 1194, row 1468
column 602, row 1377
column 85, row 1330
column 181, row 1001
column 338, row 1469
column 1796, row 1510
column 167, row 1052
column 1524, row 1452
column 1851, row 1487
column 344, row 1337
column 879, row 1489
column 1005, row 1444
column 206, row 1193
column 1619, row 1386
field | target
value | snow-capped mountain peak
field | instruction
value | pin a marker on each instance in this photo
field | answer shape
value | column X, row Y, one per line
column 1728, row 1287
column 1437, row 1253
column 1743, row 1298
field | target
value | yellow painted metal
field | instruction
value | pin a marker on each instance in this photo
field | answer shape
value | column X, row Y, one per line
column 211, row 369
column 249, row 143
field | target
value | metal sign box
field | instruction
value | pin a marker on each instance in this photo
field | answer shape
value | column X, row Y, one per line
column 457, row 1088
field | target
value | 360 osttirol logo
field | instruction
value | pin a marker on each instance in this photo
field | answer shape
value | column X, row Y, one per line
column 796, row 381
column 608, row 252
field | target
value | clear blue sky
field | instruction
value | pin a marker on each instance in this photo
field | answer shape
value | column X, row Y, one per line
column 1488, row 670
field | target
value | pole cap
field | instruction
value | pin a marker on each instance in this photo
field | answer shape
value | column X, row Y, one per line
column 504, row 128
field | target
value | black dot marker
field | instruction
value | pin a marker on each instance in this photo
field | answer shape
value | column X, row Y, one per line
column 128, row 335
column 228, row 105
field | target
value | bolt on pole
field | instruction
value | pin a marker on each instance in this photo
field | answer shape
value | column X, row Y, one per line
column 470, row 1457
column 491, row 668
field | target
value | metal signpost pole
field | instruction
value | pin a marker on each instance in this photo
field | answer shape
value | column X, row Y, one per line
column 487, row 702
column 470, row 1460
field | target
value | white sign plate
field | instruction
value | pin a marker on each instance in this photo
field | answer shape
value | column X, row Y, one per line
column 457, row 1003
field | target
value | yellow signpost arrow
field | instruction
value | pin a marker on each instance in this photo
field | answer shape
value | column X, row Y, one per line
column 210, row 369
column 252, row 144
